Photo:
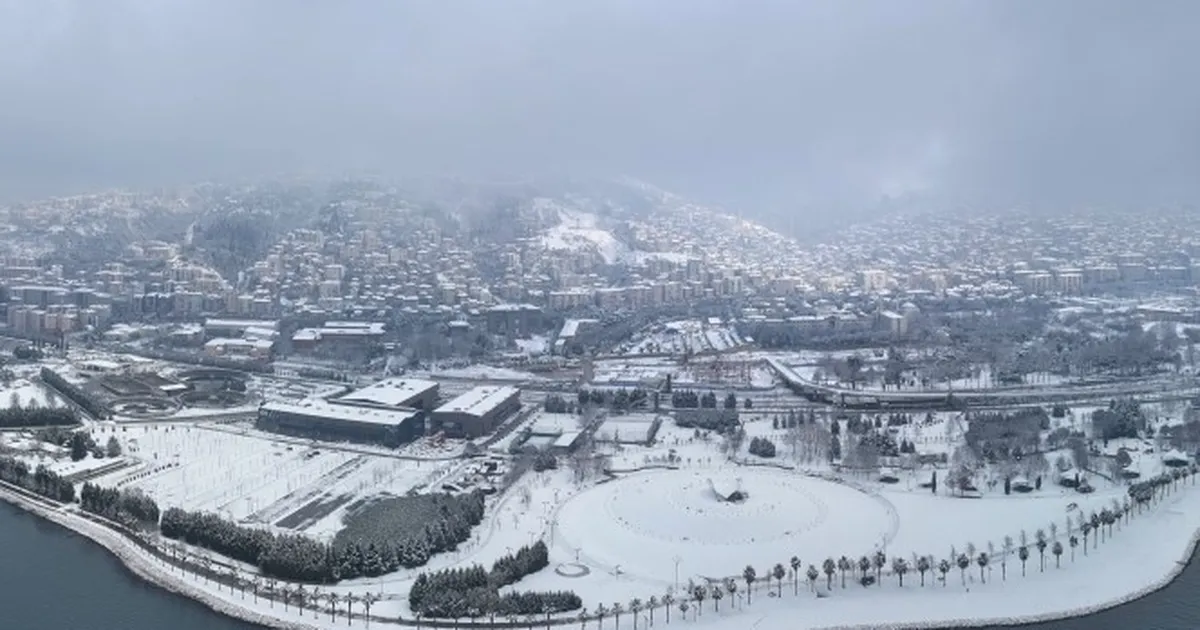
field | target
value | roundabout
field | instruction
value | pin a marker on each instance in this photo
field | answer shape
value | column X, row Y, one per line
column 641, row 523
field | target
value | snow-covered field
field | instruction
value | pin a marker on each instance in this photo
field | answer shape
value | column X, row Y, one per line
column 254, row 478
column 23, row 393
column 686, row 336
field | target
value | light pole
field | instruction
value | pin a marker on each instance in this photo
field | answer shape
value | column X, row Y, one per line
column 677, row 560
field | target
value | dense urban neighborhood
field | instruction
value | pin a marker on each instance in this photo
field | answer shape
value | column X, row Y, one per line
column 329, row 403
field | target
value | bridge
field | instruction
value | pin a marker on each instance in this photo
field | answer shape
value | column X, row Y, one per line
column 1180, row 387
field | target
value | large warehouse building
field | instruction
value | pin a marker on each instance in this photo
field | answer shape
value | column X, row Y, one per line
column 394, row 393
column 323, row 420
column 476, row 412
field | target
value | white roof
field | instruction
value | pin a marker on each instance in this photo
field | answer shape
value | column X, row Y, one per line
column 240, row 323
column 479, row 401
column 347, row 413
column 393, row 392
column 567, row 439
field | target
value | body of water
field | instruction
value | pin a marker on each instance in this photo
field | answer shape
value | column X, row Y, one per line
column 54, row 579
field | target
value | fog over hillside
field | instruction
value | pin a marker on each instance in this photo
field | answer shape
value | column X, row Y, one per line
column 792, row 113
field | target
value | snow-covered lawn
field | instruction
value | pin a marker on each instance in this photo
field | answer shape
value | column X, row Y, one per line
column 23, row 393
column 261, row 480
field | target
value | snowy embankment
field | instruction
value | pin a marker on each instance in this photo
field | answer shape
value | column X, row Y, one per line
column 1155, row 548
column 146, row 567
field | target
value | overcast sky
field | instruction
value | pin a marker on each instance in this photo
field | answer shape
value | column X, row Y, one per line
column 773, row 106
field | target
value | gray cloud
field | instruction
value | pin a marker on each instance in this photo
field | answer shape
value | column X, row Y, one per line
column 770, row 106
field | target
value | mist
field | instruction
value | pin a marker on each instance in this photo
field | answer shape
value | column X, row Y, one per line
column 782, row 110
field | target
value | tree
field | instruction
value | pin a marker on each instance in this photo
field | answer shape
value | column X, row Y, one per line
column 963, row 562
column 1074, row 542
column 778, row 573
column 982, row 559
column 113, row 448
column 922, row 567
column 812, row 574
column 880, row 560
column 668, row 600
column 829, row 567
column 635, row 607
column 349, row 599
column 795, row 562
column 80, row 445
column 601, row 611
column 749, row 574
column 1041, row 547
column 844, row 565
column 899, row 567
column 864, row 565
column 1086, row 528
column 332, row 600
column 683, row 608
column 369, row 600
column 1023, row 554
column 651, row 604
column 943, row 568
column 717, row 593
column 1057, row 550
column 698, row 594
column 732, row 587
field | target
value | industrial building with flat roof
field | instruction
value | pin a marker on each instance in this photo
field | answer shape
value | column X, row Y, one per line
column 476, row 412
column 394, row 393
column 321, row 419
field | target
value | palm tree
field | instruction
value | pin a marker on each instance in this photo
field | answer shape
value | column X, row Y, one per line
column 582, row 617
column 778, row 573
column 651, row 604
column 601, row 611
column 315, row 596
column 982, row 560
column 830, row 568
column 617, row 609
column 900, row 567
column 635, row 607
column 944, row 568
column 683, row 608
column 718, row 592
column 880, row 561
column 349, row 599
column 1086, row 528
column 698, row 594
column 369, row 600
column 812, row 574
column 864, row 565
column 1095, row 521
column 300, row 596
column 668, row 600
column 844, row 565
column 1074, row 542
column 271, row 582
column 963, row 562
column 332, row 600
column 1008, row 547
column 749, row 574
column 1057, row 550
column 922, row 567
column 255, row 584
column 1023, row 554
column 235, row 581
column 206, row 562
column 795, row 562
column 1041, row 547
column 731, row 587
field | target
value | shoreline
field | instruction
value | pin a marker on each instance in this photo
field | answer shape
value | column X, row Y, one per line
column 144, row 568
column 136, row 561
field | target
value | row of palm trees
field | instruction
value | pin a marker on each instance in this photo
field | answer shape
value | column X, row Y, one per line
column 271, row 589
column 866, row 569
column 1098, row 525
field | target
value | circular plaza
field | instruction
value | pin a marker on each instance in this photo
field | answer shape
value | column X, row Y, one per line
column 713, row 521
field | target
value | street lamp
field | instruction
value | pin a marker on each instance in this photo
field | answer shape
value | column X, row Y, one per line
column 677, row 560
